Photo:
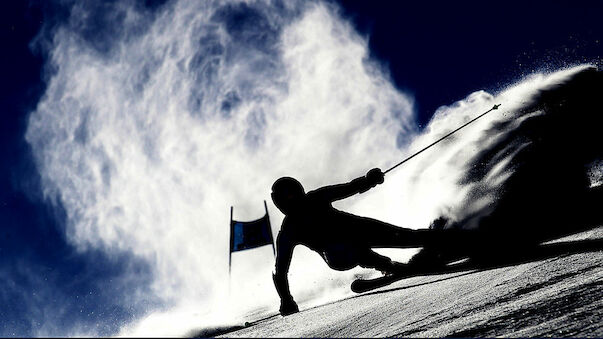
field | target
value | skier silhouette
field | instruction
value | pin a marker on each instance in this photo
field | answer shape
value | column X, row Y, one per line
column 343, row 240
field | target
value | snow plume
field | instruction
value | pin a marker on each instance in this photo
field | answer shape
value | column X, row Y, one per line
column 153, row 124
column 524, row 173
column 546, row 150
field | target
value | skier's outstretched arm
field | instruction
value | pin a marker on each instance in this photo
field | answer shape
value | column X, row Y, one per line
column 358, row 185
column 284, row 253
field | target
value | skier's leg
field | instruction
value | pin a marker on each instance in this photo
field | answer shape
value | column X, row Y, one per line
column 371, row 259
column 377, row 233
column 341, row 257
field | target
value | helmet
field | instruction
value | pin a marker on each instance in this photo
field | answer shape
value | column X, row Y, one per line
column 287, row 192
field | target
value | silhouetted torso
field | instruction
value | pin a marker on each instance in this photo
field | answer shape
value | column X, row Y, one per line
column 313, row 222
column 317, row 225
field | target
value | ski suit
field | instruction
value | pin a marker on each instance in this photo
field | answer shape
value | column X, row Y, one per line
column 343, row 240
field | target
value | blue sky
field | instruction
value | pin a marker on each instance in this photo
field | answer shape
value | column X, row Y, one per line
column 436, row 52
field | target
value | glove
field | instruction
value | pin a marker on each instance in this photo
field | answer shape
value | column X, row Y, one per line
column 375, row 177
column 288, row 307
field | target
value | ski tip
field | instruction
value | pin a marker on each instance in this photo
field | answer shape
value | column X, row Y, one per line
column 496, row 106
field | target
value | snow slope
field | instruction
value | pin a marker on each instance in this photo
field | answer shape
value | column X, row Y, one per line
column 555, row 293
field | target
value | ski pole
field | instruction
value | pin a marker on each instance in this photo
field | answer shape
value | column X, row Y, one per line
column 442, row 138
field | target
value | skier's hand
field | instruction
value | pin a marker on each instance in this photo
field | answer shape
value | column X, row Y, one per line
column 288, row 306
column 375, row 177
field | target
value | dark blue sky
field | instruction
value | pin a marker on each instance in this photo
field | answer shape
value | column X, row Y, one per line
column 437, row 51
column 440, row 51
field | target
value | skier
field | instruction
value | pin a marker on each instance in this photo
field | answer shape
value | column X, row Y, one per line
column 343, row 240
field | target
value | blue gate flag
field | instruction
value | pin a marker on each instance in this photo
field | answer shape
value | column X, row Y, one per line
column 245, row 235
column 250, row 234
